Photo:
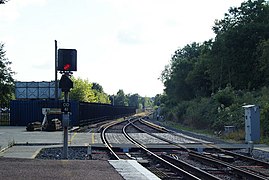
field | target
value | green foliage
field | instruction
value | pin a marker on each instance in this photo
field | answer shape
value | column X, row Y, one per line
column 264, row 103
column 237, row 135
column 3, row 1
column 146, row 102
column 6, row 79
column 82, row 91
column 207, row 84
column 101, row 96
column 97, row 87
column 225, row 96
column 211, row 113
column 200, row 113
column 238, row 56
column 120, row 99
column 134, row 100
column 238, row 37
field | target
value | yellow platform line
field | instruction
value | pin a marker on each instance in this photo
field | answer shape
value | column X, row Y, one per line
column 72, row 137
column 92, row 137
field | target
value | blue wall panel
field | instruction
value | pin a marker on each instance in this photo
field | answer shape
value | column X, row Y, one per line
column 23, row 112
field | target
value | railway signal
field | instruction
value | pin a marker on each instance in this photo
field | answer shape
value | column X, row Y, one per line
column 67, row 62
column 65, row 83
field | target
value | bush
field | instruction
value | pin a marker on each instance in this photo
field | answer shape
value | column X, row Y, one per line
column 237, row 135
column 222, row 109
column 200, row 113
column 225, row 96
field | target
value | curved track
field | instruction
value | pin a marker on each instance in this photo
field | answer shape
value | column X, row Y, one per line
column 193, row 172
column 242, row 171
column 178, row 166
column 104, row 139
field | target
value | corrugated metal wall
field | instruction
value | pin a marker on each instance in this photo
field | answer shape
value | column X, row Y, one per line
column 95, row 111
column 23, row 112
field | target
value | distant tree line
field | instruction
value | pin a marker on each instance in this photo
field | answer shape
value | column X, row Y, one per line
column 135, row 100
column 237, row 59
column 86, row 91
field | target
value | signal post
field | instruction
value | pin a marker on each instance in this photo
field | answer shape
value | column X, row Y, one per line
column 67, row 62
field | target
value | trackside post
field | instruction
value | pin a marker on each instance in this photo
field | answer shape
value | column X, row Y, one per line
column 66, row 63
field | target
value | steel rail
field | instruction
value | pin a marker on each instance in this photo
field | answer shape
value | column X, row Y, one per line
column 240, row 156
column 104, row 139
column 183, row 165
column 248, row 173
column 217, row 162
column 182, row 172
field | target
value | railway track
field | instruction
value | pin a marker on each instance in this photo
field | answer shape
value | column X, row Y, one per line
column 181, row 162
column 165, row 169
column 241, row 165
column 104, row 138
column 252, row 168
column 179, row 172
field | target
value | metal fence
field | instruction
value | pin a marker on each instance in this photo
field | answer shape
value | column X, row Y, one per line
column 4, row 119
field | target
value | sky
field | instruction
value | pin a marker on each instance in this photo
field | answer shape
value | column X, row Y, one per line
column 121, row 44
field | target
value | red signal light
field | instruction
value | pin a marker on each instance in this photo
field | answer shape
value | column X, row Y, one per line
column 67, row 67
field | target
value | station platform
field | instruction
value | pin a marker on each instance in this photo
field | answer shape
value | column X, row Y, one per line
column 131, row 169
column 19, row 149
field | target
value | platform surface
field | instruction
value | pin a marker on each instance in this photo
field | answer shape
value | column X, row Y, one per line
column 131, row 169
column 32, row 169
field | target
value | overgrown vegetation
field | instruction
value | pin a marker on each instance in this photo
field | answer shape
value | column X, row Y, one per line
column 206, row 84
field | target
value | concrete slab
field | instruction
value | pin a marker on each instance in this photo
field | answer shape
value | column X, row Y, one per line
column 180, row 138
column 19, row 135
column 131, row 169
column 28, row 152
column 261, row 147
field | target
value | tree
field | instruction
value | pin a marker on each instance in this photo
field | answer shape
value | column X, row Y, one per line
column 101, row 96
column 147, row 102
column 237, row 37
column 6, row 79
column 3, row 1
column 175, row 75
column 120, row 99
column 97, row 87
column 82, row 91
column 134, row 100
column 263, row 62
